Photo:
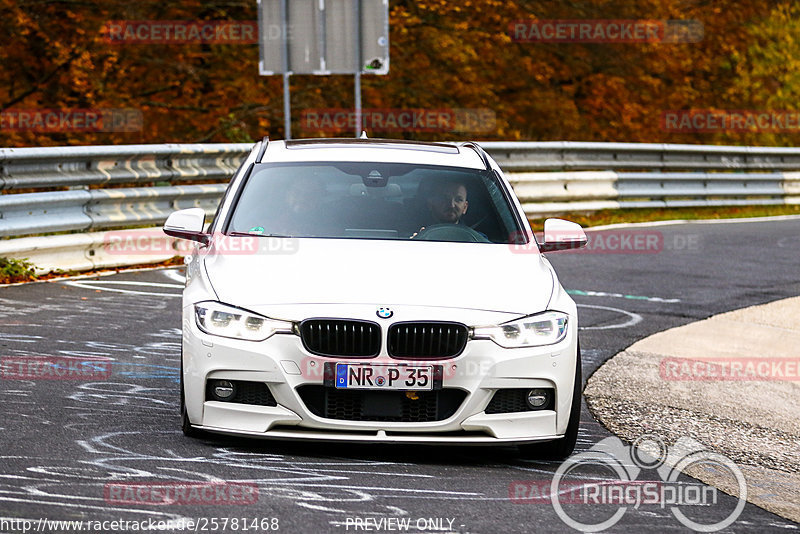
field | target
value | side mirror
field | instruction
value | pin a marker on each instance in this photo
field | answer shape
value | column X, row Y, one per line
column 562, row 235
column 187, row 224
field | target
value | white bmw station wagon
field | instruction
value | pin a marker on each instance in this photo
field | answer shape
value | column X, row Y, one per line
column 368, row 290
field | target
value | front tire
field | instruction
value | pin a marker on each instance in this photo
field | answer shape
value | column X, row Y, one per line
column 561, row 448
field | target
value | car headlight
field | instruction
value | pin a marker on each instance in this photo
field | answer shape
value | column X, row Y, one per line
column 545, row 328
column 218, row 319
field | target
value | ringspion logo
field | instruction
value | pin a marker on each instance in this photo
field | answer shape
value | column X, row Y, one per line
column 592, row 490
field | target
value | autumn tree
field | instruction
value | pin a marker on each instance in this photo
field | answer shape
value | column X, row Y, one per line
column 445, row 54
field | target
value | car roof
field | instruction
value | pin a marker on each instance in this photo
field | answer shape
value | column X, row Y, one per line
column 378, row 150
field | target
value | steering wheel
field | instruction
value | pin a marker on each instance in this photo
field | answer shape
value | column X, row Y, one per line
column 451, row 232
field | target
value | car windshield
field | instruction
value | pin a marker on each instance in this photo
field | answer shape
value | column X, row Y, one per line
column 363, row 200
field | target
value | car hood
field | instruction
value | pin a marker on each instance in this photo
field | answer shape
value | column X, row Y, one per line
column 475, row 276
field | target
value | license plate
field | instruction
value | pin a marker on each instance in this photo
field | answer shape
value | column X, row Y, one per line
column 394, row 377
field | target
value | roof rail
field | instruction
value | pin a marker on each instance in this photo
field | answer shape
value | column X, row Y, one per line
column 479, row 149
column 264, row 143
column 422, row 145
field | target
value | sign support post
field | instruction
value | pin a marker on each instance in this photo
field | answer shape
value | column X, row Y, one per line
column 287, row 107
column 287, row 102
column 357, row 48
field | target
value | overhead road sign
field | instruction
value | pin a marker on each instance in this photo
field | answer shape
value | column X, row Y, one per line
column 323, row 37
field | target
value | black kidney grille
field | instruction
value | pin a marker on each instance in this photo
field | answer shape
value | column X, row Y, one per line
column 386, row 406
column 341, row 337
column 427, row 340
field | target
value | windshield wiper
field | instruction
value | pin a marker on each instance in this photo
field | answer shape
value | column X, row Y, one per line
column 247, row 234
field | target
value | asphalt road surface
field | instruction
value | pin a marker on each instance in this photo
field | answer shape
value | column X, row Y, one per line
column 62, row 442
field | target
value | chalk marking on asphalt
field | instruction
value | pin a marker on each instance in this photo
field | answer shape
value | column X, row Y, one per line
column 588, row 293
column 90, row 285
column 635, row 318
column 28, row 500
column 320, row 508
column 458, row 494
column 785, row 242
column 20, row 338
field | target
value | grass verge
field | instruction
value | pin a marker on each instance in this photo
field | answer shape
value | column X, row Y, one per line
column 14, row 275
column 13, row 270
column 603, row 217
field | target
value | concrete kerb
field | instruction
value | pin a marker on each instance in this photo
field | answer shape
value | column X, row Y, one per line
column 85, row 251
column 92, row 250
column 755, row 422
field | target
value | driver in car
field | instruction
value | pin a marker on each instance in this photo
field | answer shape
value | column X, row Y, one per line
column 448, row 203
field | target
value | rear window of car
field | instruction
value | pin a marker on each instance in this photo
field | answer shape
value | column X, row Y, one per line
column 361, row 200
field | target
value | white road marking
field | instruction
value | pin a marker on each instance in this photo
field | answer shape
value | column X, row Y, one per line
column 123, row 283
column 101, row 285
column 634, row 318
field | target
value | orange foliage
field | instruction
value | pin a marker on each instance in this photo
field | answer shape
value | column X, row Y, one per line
column 445, row 54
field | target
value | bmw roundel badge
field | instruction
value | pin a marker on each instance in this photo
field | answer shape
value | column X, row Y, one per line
column 385, row 313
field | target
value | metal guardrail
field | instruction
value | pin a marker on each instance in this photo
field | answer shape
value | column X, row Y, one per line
column 592, row 176
column 82, row 210
column 577, row 156
column 28, row 168
column 548, row 177
column 77, row 168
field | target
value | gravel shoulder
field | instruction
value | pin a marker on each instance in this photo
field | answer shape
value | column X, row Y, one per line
column 730, row 382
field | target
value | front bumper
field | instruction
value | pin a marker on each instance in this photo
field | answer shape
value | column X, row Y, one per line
column 284, row 365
